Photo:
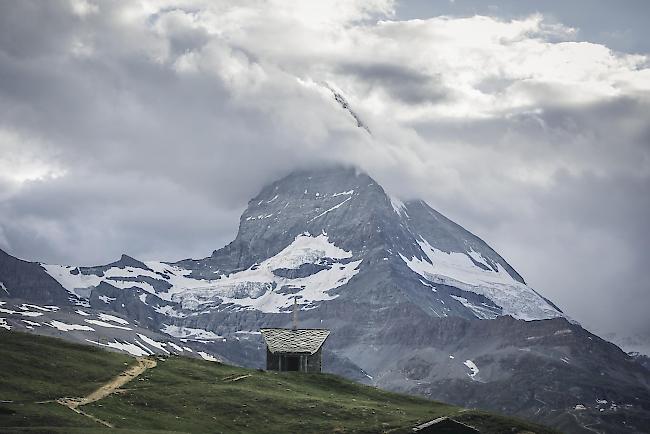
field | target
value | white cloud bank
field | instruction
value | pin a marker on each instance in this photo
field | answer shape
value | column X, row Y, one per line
column 146, row 126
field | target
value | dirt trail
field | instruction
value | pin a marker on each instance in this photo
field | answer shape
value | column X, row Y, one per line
column 143, row 363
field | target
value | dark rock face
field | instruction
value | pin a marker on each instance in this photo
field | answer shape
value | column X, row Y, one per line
column 122, row 263
column 302, row 271
column 29, row 281
column 415, row 304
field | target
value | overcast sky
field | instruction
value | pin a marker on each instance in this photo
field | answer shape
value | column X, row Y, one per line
column 145, row 127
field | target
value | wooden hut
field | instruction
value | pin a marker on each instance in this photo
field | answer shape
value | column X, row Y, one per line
column 294, row 349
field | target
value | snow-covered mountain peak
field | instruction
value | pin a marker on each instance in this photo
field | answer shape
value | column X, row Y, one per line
column 320, row 235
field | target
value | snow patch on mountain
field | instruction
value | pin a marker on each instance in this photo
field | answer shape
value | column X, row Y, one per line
column 76, row 284
column 398, row 206
column 262, row 286
column 106, row 317
column 65, row 327
column 31, row 323
column 106, row 324
column 80, row 284
column 481, row 311
column 306, row 249
column 473, row 369
column 21, row 312
column 208, row 357
column 130, row 348
column 154, row 343
column 457, row 269
column 329, row 210
column 343, row 193
column 188, row 333
column 260, row 289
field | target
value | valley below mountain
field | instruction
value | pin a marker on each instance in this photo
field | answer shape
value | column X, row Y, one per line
column 83, row 389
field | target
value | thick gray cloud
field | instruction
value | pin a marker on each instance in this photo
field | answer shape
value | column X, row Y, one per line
column 402, row 83
column 145, row 127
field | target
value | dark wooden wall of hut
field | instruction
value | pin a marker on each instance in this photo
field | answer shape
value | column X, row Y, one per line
column 315, row 361
column 272, row 361
column 308, row 362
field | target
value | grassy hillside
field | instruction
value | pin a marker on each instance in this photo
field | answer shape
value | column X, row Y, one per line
column 189, row 395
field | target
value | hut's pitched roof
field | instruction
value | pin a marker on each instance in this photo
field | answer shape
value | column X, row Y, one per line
column 294, row 341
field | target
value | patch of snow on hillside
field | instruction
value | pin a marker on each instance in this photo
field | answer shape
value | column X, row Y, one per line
column 153, row 343
column 263, row 297
column 456, row 269
column 190, row 333
column 174, row 346
column 259, row 217
column 472, row 367
column 106, row 317
column 306, row 249
column 456, row 266
column 132, row 349
column 80, row 284
column 64, row 327
column 120, row 282
column 31, row 323
column 106, row 299
column 329, row 210
column 4, row 325
column 82, row 313
column 27, row 306
column 4, row 288
column 481, row 312
column 344, row 193
column 23, row 312
column 106, row 324
column 76, row 284
column 143, row 346
column 178, row 278
column 207, row 356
